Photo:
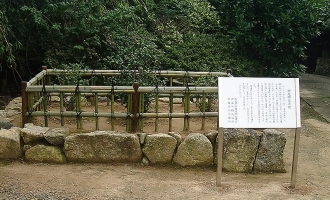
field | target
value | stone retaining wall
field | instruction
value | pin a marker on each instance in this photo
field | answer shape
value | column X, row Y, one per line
column 244, row 150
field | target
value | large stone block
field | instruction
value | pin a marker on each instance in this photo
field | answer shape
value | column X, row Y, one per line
column 177, row 136
column 56, row 136
column 31, row 133
column 159, row 148
column 10, row 143
column 196, row 149
column 45, row 154
column 103, row 146
column 239, row 149
column 270, row 153
column 212, row 135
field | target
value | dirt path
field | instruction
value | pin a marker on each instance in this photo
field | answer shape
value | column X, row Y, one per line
column 20, row 180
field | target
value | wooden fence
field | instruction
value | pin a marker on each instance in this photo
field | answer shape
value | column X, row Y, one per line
column 38, row 91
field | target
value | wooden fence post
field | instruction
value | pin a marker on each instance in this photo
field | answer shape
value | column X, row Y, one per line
column 44, row 68
column 24, row 102
column 45, row 81
column 135, row 107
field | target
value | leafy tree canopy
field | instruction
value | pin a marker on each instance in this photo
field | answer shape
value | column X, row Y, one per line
column 251, row 36
column 272, row 32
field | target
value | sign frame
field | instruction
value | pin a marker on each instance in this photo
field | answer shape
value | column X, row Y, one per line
column 235, row 82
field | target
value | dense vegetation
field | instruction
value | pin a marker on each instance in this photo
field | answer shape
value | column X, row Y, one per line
column 253, row 37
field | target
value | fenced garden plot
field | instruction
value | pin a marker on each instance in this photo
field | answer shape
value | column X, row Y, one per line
column 134, row 102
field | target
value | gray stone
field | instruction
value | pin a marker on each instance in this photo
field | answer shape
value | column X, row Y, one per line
column 26, row 147
column 212, row 136
column 45, row 154
column 31, row 133
column 14, row 107
column 56, row 136
column 142, row 137
column 103, row 146
column 103, row 99
column 5, row 124
column 145, row 161
column 239, row 149
column 5, row 120
column 3, row 114
column 15, row 104
column 10, row 143
column 270, row 153
column 55, row 99
column 159, row 148
column 11, row 113
column 177, row 136
column 167, row 100
column 195, row 150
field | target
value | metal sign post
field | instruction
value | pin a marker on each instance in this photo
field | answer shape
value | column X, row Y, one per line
column 259, row 103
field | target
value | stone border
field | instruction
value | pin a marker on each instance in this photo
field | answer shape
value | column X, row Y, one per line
column 245, row 150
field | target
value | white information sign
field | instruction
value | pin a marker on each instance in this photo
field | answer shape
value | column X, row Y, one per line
column 259, row 102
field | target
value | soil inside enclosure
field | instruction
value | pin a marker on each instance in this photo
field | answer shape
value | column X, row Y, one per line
column 20, row 180
column 149, row 124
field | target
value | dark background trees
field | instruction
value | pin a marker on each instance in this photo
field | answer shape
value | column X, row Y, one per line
column 254, row 37
column 272, row 32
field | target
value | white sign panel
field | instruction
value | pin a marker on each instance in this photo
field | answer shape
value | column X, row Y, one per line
column 259, row 102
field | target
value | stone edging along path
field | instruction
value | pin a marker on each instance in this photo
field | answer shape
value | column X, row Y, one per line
column 245, row 150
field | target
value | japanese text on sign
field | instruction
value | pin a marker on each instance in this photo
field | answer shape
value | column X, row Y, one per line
column 258, row 102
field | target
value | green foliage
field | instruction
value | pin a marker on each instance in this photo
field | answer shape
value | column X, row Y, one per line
column 95, row 35
column 7, row 45
column 187, row 14
column 205, row 81
column 323, row 13
column 106, row 34
column 72, row 75
column 272, row 32
column 324, row 21
column 184, row 29
column 195, row 52
column 159, row 34
column 134, row 49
